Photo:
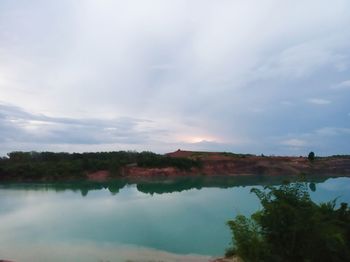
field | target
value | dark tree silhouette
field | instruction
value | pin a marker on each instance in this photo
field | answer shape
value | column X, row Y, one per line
column 311, row 156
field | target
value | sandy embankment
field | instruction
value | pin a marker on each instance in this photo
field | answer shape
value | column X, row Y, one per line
column 216, row 164
column 90, row 252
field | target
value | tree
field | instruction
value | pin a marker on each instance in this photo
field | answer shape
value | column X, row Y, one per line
column 291, row 227
column 311, row 156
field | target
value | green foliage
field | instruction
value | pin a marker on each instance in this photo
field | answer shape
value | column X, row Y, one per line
column 312, row 186
column 340, row 156
column 199, row 154
column 235, row 155
column 149, row 159
column 291, row 227
column 49, row 165
column 248, row 238
column 311, row 156
column 230, row 252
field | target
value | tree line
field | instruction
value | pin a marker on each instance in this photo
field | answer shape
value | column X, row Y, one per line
column 36, row 165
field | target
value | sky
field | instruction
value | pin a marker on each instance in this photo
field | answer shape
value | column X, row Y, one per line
column 248, row 76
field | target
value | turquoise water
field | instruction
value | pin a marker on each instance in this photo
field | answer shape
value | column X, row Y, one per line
column 182, row 220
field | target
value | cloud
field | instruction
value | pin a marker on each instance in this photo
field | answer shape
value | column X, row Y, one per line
column 332, row 131
column 85, row 75
column 294, row 142
column 318, row 101
column 19, row 126
column 325, row 141
column 342, row 85
column 298, row 61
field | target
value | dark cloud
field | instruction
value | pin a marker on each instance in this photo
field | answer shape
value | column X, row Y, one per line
column 18, row 126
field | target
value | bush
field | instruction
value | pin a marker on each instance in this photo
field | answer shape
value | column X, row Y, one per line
column 311, row 156
column 291, row 227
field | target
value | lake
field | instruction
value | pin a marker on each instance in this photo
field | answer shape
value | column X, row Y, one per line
column 157, row 220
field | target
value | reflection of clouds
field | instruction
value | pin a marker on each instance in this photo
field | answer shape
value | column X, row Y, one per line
column 164, row 221
column 131, row 192
column 33, row 211
column 336, row 184
column 89, row 251
column 40, row 221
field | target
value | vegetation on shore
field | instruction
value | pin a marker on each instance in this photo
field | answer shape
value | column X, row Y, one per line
column 291, row 227
column 36, row 166
column 49, row 165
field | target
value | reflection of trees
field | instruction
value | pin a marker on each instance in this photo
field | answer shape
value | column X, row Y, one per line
column 77, row 186
column 165, row 185
column 115, row 186
column 187, row 183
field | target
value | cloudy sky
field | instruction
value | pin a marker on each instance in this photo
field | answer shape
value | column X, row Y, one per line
column 253, row 76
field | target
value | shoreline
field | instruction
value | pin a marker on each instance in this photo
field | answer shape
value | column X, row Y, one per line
column 161, row 185
column 177, row 164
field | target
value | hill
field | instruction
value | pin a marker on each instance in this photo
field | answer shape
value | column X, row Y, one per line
column 101, row 166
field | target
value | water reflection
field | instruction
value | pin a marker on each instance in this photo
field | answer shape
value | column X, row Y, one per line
column 161, row 220
column 165, row 184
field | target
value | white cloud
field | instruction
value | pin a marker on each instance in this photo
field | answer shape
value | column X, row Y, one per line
column 294, row 142
column 298, row 61
column 318, row 101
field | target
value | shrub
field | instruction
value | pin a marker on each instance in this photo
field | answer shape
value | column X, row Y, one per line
column 311, row 156
column 291, row 227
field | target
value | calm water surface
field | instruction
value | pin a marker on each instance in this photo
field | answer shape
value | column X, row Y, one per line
column 181, row 220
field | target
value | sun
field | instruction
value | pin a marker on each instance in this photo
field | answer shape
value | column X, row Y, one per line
column 197, row 139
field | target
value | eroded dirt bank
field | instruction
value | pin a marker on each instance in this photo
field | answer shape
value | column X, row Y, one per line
column 219, row 164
